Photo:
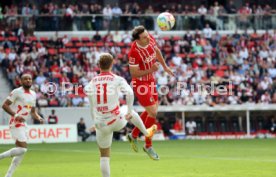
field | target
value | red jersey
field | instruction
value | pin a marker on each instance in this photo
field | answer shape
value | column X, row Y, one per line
column 144, row 57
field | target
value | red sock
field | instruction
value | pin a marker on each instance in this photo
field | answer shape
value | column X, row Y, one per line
column 136, row 131
column 149, row 122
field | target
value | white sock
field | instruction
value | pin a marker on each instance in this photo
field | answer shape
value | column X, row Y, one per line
column 13, row 152
column 15, row 163
column 105, row 167
column 136, row 120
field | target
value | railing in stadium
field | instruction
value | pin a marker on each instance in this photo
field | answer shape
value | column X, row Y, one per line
column 98, row 22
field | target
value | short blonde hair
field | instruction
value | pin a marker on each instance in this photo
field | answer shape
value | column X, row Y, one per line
column 106, row 60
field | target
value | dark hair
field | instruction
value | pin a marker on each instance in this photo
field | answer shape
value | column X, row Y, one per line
column 137, row 31
column 105, row 61
column 25, row 73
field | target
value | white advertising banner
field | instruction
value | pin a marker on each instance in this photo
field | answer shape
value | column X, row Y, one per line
column 43, row 134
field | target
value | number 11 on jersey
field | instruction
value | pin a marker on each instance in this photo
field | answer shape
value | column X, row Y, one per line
column 101, row 92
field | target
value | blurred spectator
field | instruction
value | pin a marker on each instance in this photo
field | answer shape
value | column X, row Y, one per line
column 117, row 37
column 162, row 79
column 126, row 37
column 177, row 60
column 1, row 14
column 68, row 18
column 149, row 20
column 244, row 13
column 53, row 102
column 166, row 126
column 267, row 17
column 135, row 11
column 266, row 98
column 53, row 119
column 107, row 12
column 191, row 127
column 231, row 8
column 202, row 10
column 116, row 12
column 207, row 32
column 126, row 20
column 40, row 79
column 272, row 125
column 178, row 127
column 77, row 101
column 97, row 37
column 82, row 130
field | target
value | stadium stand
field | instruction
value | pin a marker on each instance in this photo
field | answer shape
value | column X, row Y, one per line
column 248, row 60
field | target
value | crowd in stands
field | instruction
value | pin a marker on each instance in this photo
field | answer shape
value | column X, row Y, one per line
column 82, row 16
column 244, row 63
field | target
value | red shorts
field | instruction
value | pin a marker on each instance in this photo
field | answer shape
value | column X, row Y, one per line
column 145, row 92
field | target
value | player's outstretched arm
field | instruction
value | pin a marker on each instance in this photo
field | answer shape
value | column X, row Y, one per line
column 36, row 116
column 161, row 59
column 136, row 72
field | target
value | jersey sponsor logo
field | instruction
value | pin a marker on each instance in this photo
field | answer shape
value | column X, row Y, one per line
column 115, row 111
column 150, row 58
column 102, row 108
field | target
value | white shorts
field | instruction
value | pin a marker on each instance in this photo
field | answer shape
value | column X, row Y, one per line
column 18, row 131
column 104, row 135
column 19, row 134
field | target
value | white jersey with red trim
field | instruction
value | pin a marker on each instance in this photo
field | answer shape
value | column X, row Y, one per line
column 22, row 102
column 103, row 93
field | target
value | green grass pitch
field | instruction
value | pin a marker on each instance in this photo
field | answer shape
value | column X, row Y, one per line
column 186, row 158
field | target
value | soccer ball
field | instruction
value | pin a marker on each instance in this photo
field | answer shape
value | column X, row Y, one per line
column 165, row 21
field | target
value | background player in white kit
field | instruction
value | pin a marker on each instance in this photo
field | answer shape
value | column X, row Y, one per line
column 103, row 92
column 20, row 104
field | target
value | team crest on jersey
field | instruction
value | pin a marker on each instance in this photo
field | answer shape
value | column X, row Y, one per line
column 28, row 106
